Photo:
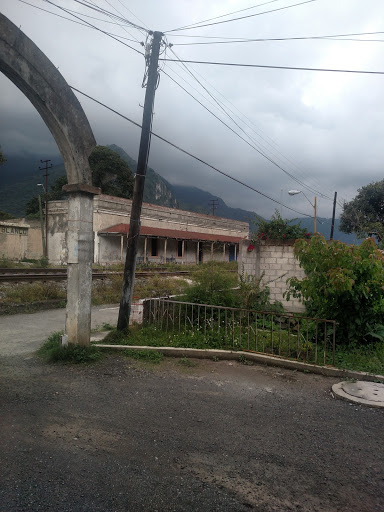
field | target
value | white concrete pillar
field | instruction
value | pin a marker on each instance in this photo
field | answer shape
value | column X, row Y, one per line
column 145, row 249
column 80, row 258
column 165, row 250
column 235, row 252
column 121, row 248
column 211, row 251
column 183, row 251
column 197, row 252
column 224, row 251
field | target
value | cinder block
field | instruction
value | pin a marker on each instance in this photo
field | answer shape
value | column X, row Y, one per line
column 270, row 260
column 276, row 266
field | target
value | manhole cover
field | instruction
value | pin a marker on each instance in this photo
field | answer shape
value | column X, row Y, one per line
column 368, row 393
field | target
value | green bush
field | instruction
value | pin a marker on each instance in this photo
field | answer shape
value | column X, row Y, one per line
column 212, row 285
column 278, row 229
column 342, row 283
column 52, row 352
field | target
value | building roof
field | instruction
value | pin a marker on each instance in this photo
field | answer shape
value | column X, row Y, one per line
column 123, row 229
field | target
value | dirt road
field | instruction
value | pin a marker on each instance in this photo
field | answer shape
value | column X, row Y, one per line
column 122, row 436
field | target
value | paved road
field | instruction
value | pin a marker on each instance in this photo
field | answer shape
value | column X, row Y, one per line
column 23, row 334
column 120, row 436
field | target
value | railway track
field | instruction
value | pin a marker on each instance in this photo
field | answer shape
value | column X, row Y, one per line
column 60, row 274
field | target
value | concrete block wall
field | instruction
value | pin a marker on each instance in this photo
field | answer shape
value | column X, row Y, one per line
column 276, row 263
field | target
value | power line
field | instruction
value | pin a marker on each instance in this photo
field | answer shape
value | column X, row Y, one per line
column 242, row 138
column 220, row 104
column 90, row 5
column 190, row 154
column 82, row 24
column 312, row 38
column 230, row 13
column 307, row 37
column 241, row 17
column 94, row 26
column 246, row 134
column 124, row 28
column 235, row 64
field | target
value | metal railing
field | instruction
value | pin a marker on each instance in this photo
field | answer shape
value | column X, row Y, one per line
column 280, row 334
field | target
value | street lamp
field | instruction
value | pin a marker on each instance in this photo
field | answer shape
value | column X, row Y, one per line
column 295, row 192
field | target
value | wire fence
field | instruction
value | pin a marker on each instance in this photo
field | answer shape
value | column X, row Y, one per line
column 289, row 335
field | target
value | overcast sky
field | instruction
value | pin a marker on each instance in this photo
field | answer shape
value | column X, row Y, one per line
column 326, row 129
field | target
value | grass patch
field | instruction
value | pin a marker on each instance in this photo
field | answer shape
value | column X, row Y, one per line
column 364, row 358
column 184, row 361
column 148, row 356
column 31, row 292
column 52, row 352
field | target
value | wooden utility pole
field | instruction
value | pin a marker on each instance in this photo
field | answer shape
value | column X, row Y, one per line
column 46, row 202
column 138, row 192
column 333, row 216
column 213, row 204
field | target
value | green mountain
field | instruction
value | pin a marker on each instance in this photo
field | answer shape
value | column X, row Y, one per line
column 20, row 175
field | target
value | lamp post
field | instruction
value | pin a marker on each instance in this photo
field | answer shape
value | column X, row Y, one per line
column 44, row 235
column 295, row 192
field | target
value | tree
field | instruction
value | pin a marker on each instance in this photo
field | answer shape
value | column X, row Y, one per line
column 109, row 172
column 364, row 215
column 343, row 283
column 2, row 158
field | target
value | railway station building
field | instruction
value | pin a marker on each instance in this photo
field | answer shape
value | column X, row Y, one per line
column 166, row 235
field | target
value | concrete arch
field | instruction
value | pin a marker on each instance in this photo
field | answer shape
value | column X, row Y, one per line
column 35, row 75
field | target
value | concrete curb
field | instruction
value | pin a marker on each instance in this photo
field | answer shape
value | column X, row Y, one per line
column 251, row 356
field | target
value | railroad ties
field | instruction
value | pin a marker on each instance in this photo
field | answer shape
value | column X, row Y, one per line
column 60, row 274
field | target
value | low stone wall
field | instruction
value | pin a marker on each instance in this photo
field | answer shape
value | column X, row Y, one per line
column 277, row 263
column 13, row 240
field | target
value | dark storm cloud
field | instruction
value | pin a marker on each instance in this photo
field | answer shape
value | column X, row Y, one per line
column 324, row 128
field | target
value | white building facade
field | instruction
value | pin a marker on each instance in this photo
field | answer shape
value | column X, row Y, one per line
column 166, row 234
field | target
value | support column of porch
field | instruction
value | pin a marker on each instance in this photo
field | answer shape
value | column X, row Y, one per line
column 224, row 251
column 80, row 259
column 211, row 251
column 165, row 250
column 145, row 249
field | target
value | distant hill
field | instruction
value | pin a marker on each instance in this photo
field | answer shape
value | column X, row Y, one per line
column 20, row 175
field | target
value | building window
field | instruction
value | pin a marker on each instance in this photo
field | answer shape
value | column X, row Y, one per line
column 179, row 248
column 154, row 247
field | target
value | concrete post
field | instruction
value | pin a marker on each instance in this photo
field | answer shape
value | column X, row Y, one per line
column 165, row 250
column 80, row 258
column 145, row 249
column 224, row 251
column 121, row 248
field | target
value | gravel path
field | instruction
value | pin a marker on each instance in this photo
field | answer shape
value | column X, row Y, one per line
column 220, row 436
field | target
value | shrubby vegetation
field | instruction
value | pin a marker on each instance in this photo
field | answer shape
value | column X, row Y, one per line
column 342, row 283
column 278, row 229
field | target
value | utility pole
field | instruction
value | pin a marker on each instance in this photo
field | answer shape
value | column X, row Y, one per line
column 138, row 192
column 46, row 202
column 213, row 204
column 333, row 216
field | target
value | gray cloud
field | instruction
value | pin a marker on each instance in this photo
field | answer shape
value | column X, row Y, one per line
column 328, row 125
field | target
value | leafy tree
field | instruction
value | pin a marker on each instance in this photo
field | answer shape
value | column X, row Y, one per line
column 5, row 215
column 278, row 229
column 2, row 158
column 364, row 215
column 109, row 172
column 343, row 283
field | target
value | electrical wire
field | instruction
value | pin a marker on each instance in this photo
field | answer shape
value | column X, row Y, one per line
column 190, row 154
column 273, row 39
column 124, row 28
column 83, row 24
column 241, row 137
column 94, row 26
column 230, row 13
column 133, row 14
column 90, row 5
column 274, row 145
column 189, row 27
column 235, row 64
column 312, row 38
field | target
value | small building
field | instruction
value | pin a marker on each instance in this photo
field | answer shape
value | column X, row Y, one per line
column 166, row 234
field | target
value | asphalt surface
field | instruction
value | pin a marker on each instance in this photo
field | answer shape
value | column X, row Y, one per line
column 219, row 436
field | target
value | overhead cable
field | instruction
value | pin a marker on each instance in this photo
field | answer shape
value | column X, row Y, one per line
column 240, row 18
column 191, row 155
column 236, row 64
column 273, row 39
column 94, row 26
